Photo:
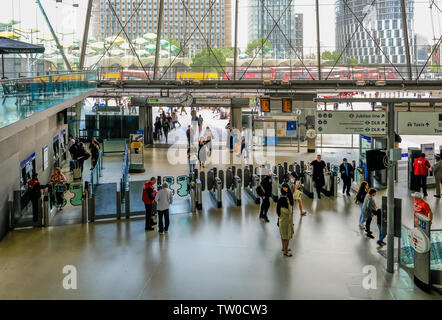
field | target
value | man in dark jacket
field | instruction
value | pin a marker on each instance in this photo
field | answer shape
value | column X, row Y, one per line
column 34, row 189
column 149, row 199
column 266, row 184
column 346, row 170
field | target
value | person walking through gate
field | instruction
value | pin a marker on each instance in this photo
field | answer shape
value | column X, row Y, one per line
column 346, row 170
column 266, row 185
column 369, row 208
column 34, row 189
column 359, row 200
column 285, row 220
column 437, row 171
column 318, row 166
column 421, row 166
column 164, row 199
column 148, row 198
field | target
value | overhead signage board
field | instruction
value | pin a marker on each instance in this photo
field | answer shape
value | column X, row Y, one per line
column 224, row 102
column 163, row 101
column 352, row 122
column 419, row 123
column 265, row 104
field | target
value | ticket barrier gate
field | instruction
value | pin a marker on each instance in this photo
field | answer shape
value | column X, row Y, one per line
column 308, row 184
column 330, row 188
column 251, row 182
column 275, row 188
column 234, row 184
column 214, row 186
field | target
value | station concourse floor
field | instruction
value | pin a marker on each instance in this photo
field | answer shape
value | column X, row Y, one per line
column 223, row 253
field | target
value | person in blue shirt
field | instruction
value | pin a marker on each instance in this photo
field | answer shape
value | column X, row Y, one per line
column 346, row 170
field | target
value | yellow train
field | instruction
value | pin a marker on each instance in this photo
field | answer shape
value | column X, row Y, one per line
column 197, row 76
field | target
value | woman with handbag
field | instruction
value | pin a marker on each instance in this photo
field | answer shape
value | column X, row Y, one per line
column 285, row 220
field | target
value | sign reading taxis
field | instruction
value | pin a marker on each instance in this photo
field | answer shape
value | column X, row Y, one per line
column 419, row 123
column 352, row 122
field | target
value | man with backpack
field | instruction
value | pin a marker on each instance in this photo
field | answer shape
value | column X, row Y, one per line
column 264, row 190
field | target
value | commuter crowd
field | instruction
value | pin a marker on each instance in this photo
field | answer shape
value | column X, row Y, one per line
column 291, row 193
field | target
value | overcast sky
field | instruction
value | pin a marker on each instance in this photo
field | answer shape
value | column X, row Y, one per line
column 65, row 18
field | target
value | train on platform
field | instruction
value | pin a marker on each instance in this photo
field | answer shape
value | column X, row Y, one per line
column 265, row 73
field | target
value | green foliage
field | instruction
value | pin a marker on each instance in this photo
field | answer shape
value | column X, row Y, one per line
column 354, row 62
column 173, row 42
column 329, row 58
column 208, row 61
column 229, row 52
column 256, row 45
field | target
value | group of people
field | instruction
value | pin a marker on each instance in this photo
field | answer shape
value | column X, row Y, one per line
column 165, row 123
column 288, row 199
column 365, row 198
column 57, row 183
column 79, row 154
column 162, row 199
column 238, row 141
column 198, row 152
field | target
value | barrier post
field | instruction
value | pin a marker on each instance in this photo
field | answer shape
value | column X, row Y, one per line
column 199, row 191
column 118, row 204
column 238, row 183
column 84, row 207
column 45, row 209
column 127, row 203
column 193, row 198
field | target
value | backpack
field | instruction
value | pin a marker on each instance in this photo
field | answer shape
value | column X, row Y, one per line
column 260, row 191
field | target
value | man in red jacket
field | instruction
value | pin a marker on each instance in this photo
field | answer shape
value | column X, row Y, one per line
column 149, row 194
column 421, row 166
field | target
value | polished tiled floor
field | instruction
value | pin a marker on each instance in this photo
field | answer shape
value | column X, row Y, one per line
column 223, row 253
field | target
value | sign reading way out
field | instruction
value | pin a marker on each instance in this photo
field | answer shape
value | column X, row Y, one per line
column 351, row 122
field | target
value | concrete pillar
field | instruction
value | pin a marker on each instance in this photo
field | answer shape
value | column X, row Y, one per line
column 236, row 111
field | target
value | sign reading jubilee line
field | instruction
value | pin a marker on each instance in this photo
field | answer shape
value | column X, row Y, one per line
column 351, row 122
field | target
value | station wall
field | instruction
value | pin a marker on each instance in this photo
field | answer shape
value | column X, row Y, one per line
column 17, row 148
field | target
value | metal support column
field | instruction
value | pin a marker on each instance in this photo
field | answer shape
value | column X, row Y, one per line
column 59, row 47
column 390, row 191
column 405, row 33
column 318, row 40
column 85, row 34
column 236, row 40
column 158, row 46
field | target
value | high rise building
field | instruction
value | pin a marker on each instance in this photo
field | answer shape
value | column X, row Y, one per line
column 290, row 31
column 382, row 29
column 179, row 21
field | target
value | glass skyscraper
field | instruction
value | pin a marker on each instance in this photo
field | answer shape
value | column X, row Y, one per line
column 290, row 25
column 381, row 39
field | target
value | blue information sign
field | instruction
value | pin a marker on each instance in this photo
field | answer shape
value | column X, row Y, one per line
column 291, row 128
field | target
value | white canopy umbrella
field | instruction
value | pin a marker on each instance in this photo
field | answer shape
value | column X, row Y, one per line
column 140, row 41
column 150, row 36
column 116, row 52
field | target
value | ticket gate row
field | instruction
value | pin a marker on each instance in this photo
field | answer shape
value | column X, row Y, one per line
column 330, row 187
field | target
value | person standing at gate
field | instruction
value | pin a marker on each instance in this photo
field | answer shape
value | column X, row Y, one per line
column 346, row 170
column 148, row 198
column 421, row 166
column 369, row 208
column 285, row 219
column 164, row 199
column 34, row 189
column 437, row 171
column 318, row 166
column 266, row 185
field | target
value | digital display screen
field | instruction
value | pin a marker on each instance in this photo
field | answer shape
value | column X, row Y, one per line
column 265, row 104
column 440, row 116
column 287, row 105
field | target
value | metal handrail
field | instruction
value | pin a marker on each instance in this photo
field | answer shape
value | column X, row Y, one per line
column 96, row 172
